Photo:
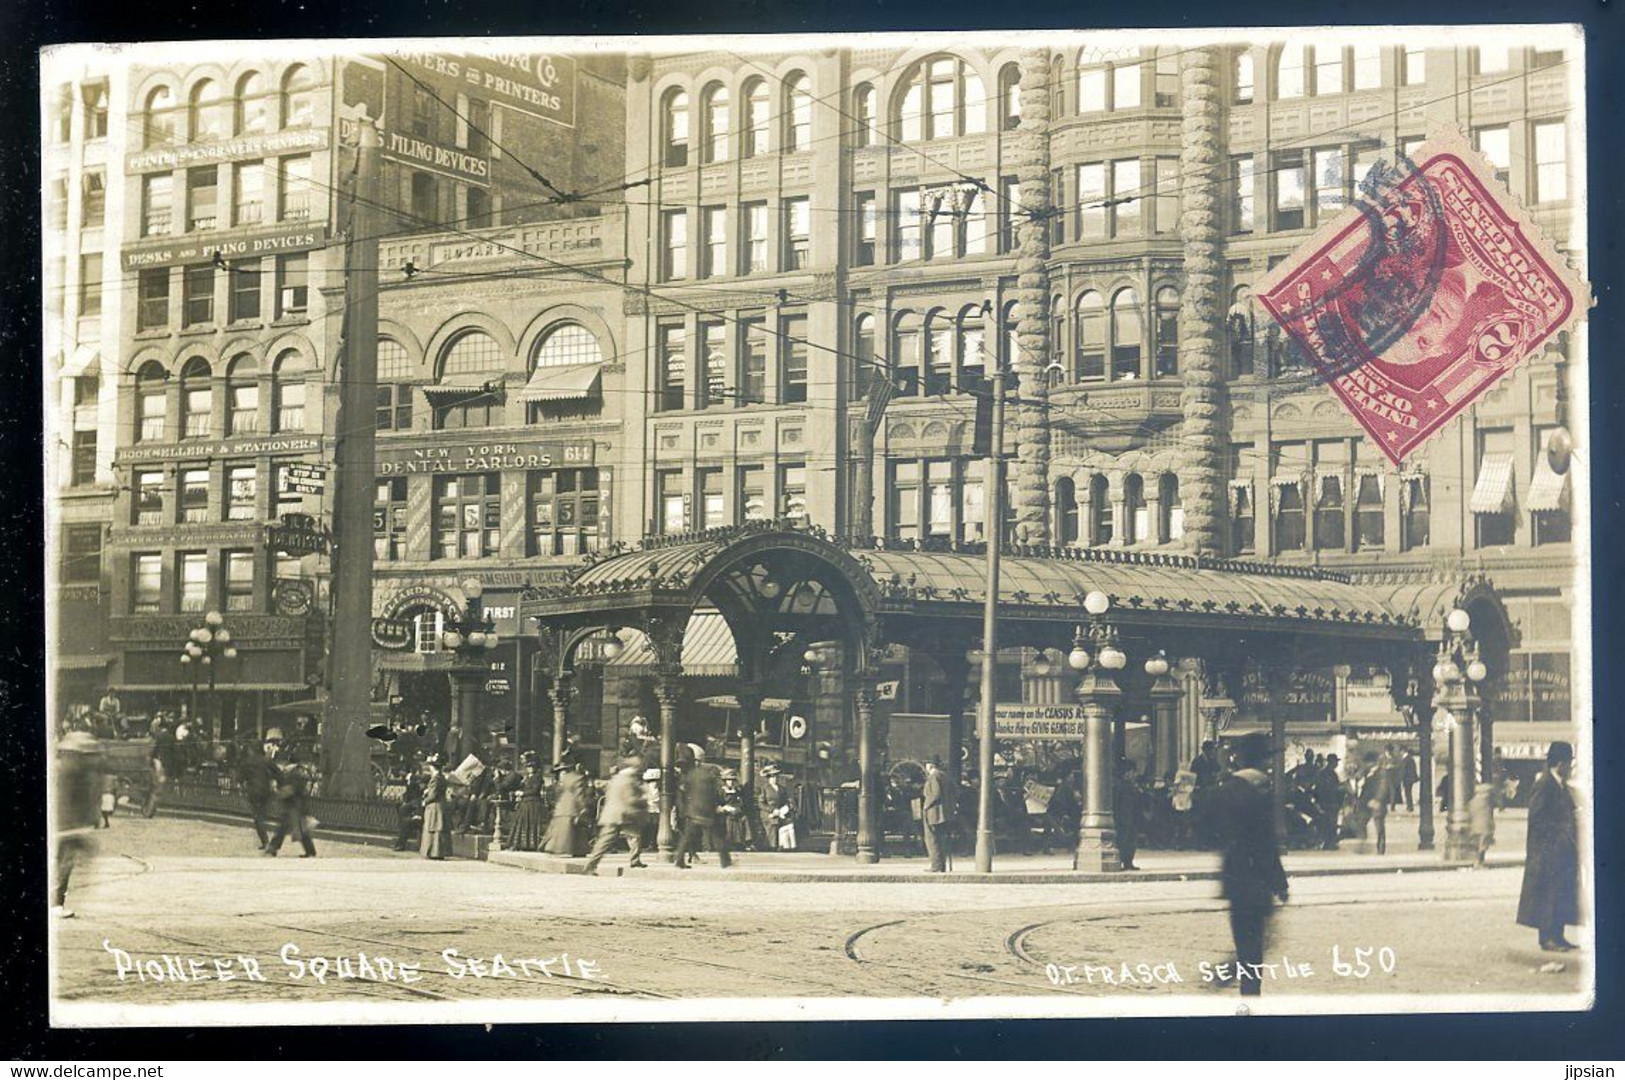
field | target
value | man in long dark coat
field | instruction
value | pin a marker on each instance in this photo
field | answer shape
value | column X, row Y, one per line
column 258, row 776
column 1551, row 874
column 937, row 809
column 701, row 796
column 1251, row 874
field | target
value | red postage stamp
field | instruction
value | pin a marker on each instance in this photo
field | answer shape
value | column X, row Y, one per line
column 1423, row 294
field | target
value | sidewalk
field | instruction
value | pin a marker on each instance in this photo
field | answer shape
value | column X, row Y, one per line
column 1354, row 857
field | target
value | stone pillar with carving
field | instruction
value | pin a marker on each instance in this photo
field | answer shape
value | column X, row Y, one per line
column 1033, row 346
column 559, row 695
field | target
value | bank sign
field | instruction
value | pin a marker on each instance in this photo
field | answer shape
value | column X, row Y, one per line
column 1038, row 722
column 473, row 457
column 202, row 249
column 541, row 85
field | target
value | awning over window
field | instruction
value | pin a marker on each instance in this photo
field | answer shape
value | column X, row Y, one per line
column 728, row 701
column 455, row 388
column 1549, row 490
column 83, row 361
column 708, row 648
column 562, row 382
column 1493, row 492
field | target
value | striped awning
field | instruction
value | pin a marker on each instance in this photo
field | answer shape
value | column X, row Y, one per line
column 728, row 701
column 1549, row 490
column 463, row 387
column 80, row 662
column 708, row 648
column 1493, row 492
column 562, row 382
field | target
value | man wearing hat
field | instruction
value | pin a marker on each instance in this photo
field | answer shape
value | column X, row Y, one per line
column 773, row 803
column 625, row 809
column 1550, row 901
column 937, row 811
column 78, row 805
column 1251, row 875
column 701, row 800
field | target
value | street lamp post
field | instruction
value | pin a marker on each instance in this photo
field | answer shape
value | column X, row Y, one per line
column 206, row 648
column 471, row 637
column 1456, row 676
column 1098, row 694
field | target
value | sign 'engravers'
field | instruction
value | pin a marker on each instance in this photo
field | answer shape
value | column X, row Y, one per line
column 167, row 158
column 1038, row 722
column 541, row 85
column 196, row 249
column 483, row 457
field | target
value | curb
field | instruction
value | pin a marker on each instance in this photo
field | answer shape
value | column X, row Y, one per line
column 335, row 835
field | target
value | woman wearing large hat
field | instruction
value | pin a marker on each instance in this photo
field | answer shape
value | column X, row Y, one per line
column 436, row 842
column 530, row 819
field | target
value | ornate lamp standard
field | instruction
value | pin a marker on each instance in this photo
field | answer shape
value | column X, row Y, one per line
column 1456, row 676
column 470, row 638
column 1097, row 693
column 206, row 648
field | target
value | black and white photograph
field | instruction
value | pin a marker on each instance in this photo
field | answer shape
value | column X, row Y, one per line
column 1028, row 524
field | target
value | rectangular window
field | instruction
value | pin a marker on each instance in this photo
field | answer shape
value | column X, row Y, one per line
column 1092, row 201
column 712, row 504
column 197, row 295
column 148, row 497
column 1331, row 183
column 793, row 359
column 194, row 501
column 467, row 515
column 242, row 493
column 248, row 194
column 203, row 198
column 292, row 284
column 394, row 408
column 905, row 500
column 152, row 410
column 1241, row 194
column 193, row 581
column 1010, row 214
column 753, row 361
column 59, row 203
column 1126, row 197
column 1545, row 58
column 87, row 390
column 714, row 348
column 1289, row 515
column 146, row 583
column 82, row 465
column 907, row 223
column 797, row 233
column 157, row 204
column 1057, row 194
column 1551, row 162
column 671, row 505
column 1329, row 510
column 94, row 207
column 714, row 256
column 755, row 215
column 1495, row 143
column 90, row 285
column 81, row 554
column 198, row 409
column 1493, row 58
column 239, row 575
column 906, row 361
column 389, row 520
column 674, row 245
column 1126, row 86
column 1367, row 67
column 1328, row 69
column 672, row 371
column 972, row 509
column 752, row 489
column 425, row 198
column 1415, row 505
column 939, row 501
column 939, row 223
column 96, row 110
column 477, row 203
column 1167, row 203
column 243, row 408
column 1369, row 525
column 564, row 512
column 1494, row 502
column 293, row 197
column 939, row 358
column 864, row 255
column 245, row 290
column 1092, row 90
column 1241, row 517
column 1416, row 67
column 793, row 491
column 1289, row 190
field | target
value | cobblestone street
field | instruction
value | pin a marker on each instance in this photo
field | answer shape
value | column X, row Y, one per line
column 200, row 891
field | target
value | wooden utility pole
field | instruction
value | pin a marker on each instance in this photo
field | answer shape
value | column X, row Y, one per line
column 993, row 500
column 346, row 754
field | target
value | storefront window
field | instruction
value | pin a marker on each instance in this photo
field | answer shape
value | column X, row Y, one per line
column 564, row 512
column 467, row 515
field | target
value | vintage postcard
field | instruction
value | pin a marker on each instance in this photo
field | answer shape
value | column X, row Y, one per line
column 1024, row 524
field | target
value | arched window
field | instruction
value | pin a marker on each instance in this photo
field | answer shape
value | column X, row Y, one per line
column 1171, row 508
column 298, row 97
column 568, row 344
column 1136, row 515
column 473, row 352
column 863, row 112
column 288, row 391
column 1167, row 326
column 197, row 400
column 1289, row 72
column 243, row 396
column 1243, row 78
column 942, row 97
column 252, row 105
column 971, row 349
column 1010, row 97
column 1091, row 336
column 1066, row 511
column 160, row 119
column 395, row 400
column 1100, row 511
column 715, row 106
column 863, row 360
column 464, row 396
column 756, row 123
column 1127, row 335
column 939, row 353
column 152, row 402
column 674, row 129
column 797, row 113
column 209, row 112
column 394, row 362
column 1109, row 79
column 905, row 354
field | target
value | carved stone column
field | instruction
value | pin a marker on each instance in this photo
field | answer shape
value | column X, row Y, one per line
column 666, row 695
column 559, row 695
column 1032, row 163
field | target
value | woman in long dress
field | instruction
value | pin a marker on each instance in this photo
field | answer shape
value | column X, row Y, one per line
column 436, row 842
column 530, row 819
column 564, row 831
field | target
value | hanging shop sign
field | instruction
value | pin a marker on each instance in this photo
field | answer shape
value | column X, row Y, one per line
column 539, row 85
column 297, row 534
column 304, row 479
column 483, row 457
column 202, row 249
column 1038, row 721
